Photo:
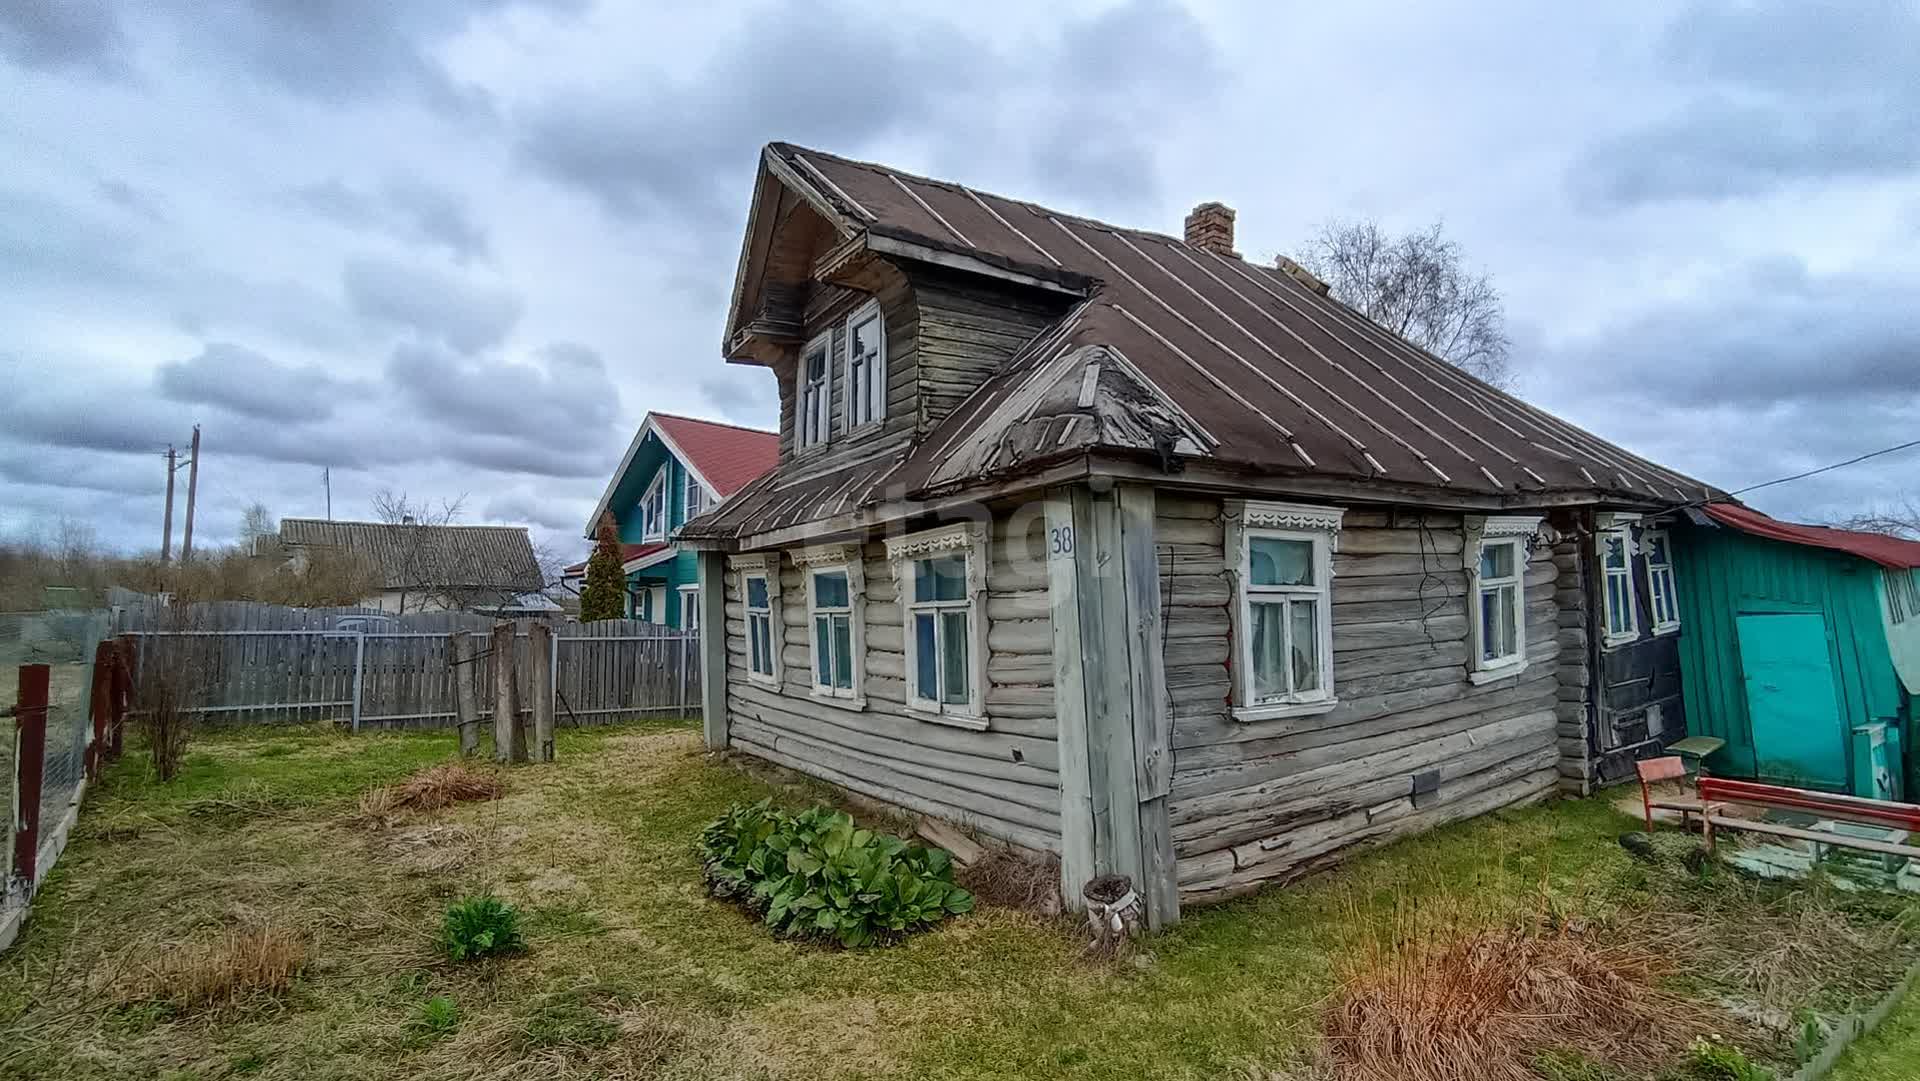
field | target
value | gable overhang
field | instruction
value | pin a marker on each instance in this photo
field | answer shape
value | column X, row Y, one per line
column 774, row 176
column 648, row 426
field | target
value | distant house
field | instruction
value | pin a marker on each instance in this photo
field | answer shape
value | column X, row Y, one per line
column 1802, row 649
column 676, row 469
column 429, row 568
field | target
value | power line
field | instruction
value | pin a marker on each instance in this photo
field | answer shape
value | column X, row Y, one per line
column 1827, row 468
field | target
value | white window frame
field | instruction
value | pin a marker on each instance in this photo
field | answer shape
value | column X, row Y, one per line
column 1319, row 526
column 1517, row 532
column 654, row 527
column 657, row 605
column 694, row 493
column 764, row 566
column 828, row 559
column 806, row 406
column 1672, row 622
column 689, row 608
column 968, row 539
column 1902, row 587
column 1616, row 525
column 873, row 409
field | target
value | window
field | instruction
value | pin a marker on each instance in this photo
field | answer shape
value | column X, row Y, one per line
column 1285, row 662
column 696, row 497
column 811, row 423
column 1616, row 568
column 690, row 609
column 941, row 578
column 656, row 605
column 1496, row 554
column 653, row 508
column 760, row 590
column 1903, row 593
column 866, row 367
column 1662, row 597
column 835, row 584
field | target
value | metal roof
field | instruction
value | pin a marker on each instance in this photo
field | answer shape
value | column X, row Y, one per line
column 1888, row 551
column 1232, row 362
column 493, row 557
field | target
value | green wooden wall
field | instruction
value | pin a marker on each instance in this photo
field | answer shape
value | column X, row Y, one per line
column 1724, row 573
column 653, row 457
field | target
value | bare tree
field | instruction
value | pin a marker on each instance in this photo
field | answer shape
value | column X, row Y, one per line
column 1901, row 519
column 258, row 530
column 425, row 559
column 1418, row 286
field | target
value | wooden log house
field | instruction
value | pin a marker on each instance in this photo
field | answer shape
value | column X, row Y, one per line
column 1119, row 546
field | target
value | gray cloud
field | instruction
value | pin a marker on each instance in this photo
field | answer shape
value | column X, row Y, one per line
column 251, row 384
column 410, row 210
column 742, row 400
column 64, row 34
column 465, row 315
column 1770, row 105
column 124, row 474
column 555, row 418
column 523, row 506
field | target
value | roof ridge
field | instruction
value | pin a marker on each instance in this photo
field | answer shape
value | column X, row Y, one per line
column 714, row 423
column 397, row 525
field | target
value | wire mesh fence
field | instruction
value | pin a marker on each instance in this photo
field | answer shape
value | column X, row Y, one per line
column 65, row 643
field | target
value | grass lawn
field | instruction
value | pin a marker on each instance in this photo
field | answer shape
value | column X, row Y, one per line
column 1890, row 1052
column 632, row 971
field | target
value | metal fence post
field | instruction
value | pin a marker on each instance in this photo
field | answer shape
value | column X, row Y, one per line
column 30, row 764
column 359, row 672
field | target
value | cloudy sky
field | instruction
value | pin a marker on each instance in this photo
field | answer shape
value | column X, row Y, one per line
column 460, row 247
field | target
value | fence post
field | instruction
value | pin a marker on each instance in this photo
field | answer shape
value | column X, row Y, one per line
column 540, row 684
column 99, row 707
column 509, row 738
column 463, row 649
column 359, row 672
column 30, row 764
column 128, row 656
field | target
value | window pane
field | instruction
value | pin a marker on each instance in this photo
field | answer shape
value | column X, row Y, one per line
column 830, row 589
column 1496, row 561
column 1303, row 641
column 756, row 593
column 1274, row 561
column 926, row 660
column 1619, row 600
column 943, row 578
column 817, row 366
column 823, row 650
column 953, row 634
column 866, row 336
column 1269, row 645
column 1509, row 633
column 756, row 645
column 1657, row 548
column 842, row 651
column 1614, row 550
column 1496, row 623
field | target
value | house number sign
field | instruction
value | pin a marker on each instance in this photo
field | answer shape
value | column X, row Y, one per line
column 1060, row 541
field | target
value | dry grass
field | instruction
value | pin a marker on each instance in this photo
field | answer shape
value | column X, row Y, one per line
column 432, row 789
column 1440, row 996
column 1010, row 879
column 236, row 964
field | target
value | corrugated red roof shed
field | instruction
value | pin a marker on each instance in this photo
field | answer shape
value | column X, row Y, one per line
column 1878, row 547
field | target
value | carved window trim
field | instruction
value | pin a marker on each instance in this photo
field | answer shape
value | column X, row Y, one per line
column 1520, row 533
column 833, row 559
column 814, row 401
column 764, row 566
column 1664, row 618
column 875, row 406
column 969, row 539
column 1318, row 525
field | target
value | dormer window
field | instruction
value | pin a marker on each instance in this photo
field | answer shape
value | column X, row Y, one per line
column 866, row 367
column 813, row 420
column 696, row 498
column 653, row 508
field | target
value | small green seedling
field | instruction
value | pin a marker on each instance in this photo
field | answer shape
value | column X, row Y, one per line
column 478, row 927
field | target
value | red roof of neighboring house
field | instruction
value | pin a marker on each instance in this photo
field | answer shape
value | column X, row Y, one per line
column 628, row 553
column 727, row 455
column 1878, row 547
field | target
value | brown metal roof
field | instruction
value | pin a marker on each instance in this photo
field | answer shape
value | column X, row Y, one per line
column 410, row 556
column 1242, row 362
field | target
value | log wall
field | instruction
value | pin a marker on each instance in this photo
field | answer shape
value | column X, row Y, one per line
column 1259, row 803
column 1004, row 781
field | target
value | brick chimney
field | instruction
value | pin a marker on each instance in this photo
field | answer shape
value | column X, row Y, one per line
column 1210, row 226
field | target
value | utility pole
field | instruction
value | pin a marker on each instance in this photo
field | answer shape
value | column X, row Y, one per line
column 193, row 483
column 326, row 477
column 166, row 520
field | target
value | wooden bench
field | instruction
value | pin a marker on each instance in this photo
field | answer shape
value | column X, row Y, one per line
column 1715, row 793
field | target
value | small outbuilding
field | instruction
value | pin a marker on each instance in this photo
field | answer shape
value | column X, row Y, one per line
column 1802, row 649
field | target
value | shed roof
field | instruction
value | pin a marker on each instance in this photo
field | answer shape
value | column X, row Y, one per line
column 1887, row 551
column 1214, row 357
column 492, row 557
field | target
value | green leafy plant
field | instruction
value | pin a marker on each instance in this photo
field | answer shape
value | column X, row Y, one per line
column 1708, row 1059
column 438, row 1016
column 815, row 874
column 479, row 926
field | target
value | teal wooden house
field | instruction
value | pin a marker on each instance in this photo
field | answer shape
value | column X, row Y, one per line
column 676, row 469
column 1802, row 650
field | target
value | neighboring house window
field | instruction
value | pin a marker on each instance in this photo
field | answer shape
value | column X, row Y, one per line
column 816, row 391
column 1661, row 594
column 835, row 584
column 866, row 366
column 1903, row 593
column 690, row 609
column 696, row 497
column 653, row 508
column 656, row 604
column 1616, row 569
column 760, row 590
column 941, row 578
column 1497, row 567
column 1283, row 611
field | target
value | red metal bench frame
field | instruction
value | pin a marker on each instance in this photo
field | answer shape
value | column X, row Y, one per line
column 1873, row 812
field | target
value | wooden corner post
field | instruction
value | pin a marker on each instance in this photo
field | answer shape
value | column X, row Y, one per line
column 30, row 764
column 540, row 688
column 463, row 652
column 1110, row 693
column 713, row 649
column 509, row 737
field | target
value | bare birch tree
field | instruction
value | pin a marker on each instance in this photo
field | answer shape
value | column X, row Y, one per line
column 1901, row 519
column 1418, row 286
